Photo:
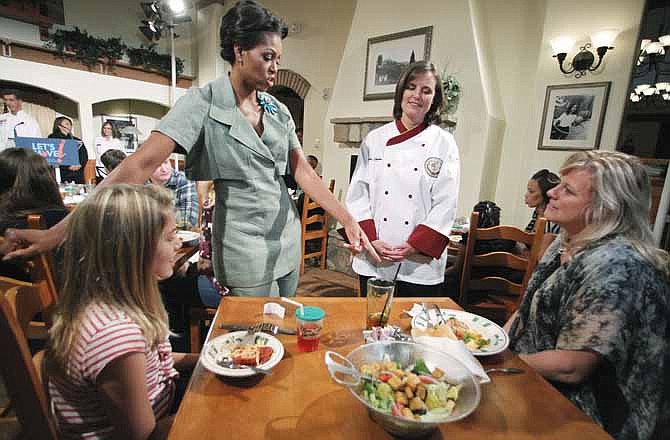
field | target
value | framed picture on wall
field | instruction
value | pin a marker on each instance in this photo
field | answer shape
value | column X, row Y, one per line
column 387, row 57
column 122, row 125
column 573, row 116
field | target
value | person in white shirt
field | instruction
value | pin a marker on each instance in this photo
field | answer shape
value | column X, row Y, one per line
column 108, row 141
column 16, row 123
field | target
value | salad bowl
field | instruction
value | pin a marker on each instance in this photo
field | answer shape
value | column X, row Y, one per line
column 406, row 354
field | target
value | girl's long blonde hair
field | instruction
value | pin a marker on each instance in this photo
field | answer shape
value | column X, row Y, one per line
column 110, row 245
column 620, row 203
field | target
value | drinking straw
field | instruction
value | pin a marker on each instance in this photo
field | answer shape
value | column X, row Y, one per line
column 295, row 303
column 388, row 298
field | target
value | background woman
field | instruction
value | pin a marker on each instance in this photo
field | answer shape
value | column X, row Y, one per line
column 405, row 187
column 595, row 319
column 244, row 140
column 63, row 130
column 111, row 370
column 536, row 197
column 27, row 186
column 109, row 139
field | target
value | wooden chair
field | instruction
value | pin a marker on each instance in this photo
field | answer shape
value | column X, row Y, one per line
column 496, row 296
column 307, row 234
column 19, row 302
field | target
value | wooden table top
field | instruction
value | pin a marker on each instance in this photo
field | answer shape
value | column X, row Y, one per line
column 300, row 401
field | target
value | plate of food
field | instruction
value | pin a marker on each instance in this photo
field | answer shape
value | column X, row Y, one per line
column 233, row 353
column 480, row 335
column 188, row 238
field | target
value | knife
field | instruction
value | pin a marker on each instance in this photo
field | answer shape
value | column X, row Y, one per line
column 239, row 327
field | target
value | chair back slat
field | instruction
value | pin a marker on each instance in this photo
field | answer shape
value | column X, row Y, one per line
column 474, row 275
column 20, row 375
column 307, row 219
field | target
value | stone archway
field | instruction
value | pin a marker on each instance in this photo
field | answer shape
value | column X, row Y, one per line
column 294, row 81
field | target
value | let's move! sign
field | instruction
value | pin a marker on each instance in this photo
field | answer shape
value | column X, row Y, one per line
column 57, row 152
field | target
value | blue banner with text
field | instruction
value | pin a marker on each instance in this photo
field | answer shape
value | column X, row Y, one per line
column 57, row 152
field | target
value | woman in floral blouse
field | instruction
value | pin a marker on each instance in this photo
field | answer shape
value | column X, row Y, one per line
column 595, row 317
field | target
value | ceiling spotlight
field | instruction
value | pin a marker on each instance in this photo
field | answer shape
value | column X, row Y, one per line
column 150, row 9
column 176, row 6
column 152, row 29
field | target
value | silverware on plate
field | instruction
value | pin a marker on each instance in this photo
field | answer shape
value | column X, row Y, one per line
column 265, row 327
column 504, row 370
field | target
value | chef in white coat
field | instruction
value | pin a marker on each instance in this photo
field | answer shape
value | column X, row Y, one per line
column 404, row 190
column 16, row 122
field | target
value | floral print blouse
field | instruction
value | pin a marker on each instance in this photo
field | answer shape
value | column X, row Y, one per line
column 610, row 300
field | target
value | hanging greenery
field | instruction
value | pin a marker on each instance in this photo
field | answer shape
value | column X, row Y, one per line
column 89, row 50
column 147, row 57
column 452, row 92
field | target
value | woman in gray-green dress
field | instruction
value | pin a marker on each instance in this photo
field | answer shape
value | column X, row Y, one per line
column 244, row 140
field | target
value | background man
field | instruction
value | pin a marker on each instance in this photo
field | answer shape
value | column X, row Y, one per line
column 185, row 193
column 16, row 122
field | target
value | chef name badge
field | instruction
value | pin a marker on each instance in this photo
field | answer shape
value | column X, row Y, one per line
column 433, row 165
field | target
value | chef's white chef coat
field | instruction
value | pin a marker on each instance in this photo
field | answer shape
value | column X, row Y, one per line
column 405, row 189
column 20, row 124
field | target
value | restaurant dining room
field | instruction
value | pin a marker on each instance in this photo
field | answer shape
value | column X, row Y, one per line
column 353, row 219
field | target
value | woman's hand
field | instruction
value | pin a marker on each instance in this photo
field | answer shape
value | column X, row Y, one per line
column 386, row 251
column 358, row 241
column 74, row 167
column 403, row 251
column 24, row 243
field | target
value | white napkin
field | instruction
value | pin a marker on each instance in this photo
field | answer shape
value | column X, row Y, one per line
column 458, row 350
column 274, row 309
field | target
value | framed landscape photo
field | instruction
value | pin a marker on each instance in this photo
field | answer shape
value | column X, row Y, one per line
column 387, row 57
column 573, row 116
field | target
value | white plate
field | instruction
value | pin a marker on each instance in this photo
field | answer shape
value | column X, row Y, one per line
column 455, row 238
column 226, row 343
column 492, row 331
column 188, row 238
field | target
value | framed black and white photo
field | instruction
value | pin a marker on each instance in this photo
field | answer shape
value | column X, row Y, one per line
column 122, row 125
column 389, row 55
column 573, row 116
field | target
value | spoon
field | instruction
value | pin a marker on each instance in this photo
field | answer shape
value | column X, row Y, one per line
column 227, row 362
column 505, row 370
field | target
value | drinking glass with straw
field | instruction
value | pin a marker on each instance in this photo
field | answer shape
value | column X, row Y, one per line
column 380, row 297
column 309, row 322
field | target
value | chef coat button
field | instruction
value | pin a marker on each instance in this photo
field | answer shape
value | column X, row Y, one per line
column 407, row 223
column 384, row 218
column 410, row 196
column 388, row 165
column 416, row 169
column 386, row 192
column 423, row 145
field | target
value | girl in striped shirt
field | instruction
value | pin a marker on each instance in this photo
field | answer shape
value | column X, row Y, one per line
column 110, row 367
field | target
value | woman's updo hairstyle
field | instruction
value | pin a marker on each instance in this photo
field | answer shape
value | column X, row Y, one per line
column 245, row 25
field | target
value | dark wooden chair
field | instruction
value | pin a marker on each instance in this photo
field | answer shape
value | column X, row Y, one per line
column 19, row 302
column 309, row 217
column 489, row 284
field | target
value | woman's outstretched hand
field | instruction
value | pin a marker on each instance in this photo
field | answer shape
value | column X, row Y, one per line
column 358, row 241
column 25, row 243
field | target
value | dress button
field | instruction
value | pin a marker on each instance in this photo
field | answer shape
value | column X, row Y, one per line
column 386, row 192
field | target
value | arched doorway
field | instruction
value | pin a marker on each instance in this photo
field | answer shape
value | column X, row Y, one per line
column 295, row 104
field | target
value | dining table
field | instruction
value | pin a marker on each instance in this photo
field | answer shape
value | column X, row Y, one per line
column 300, row 400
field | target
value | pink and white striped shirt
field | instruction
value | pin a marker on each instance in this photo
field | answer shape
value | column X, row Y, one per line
column 105, row 334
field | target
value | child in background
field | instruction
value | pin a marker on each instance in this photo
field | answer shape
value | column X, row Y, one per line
column 110, row 368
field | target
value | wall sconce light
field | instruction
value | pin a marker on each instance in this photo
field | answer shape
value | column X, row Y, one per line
column 584, row 60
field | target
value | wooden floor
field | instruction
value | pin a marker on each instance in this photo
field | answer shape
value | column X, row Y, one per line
column 317, row 282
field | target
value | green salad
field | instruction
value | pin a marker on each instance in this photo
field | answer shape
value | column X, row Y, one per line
column 414, row 392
